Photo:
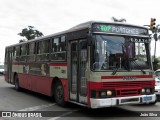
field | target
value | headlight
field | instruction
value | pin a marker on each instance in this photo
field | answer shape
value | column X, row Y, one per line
column 143, row 91
column 102, row 93
column 109, row 93
column 148, row 91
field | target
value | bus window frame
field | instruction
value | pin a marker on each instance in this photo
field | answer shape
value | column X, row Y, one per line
column 57, row 52
column 39, row 54
column 24, row 57
column 16, row 49
column 33, row 53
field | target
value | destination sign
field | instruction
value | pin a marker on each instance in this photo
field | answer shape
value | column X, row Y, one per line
column 119, row 29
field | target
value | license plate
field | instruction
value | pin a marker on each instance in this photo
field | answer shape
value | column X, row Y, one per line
column 148, row 98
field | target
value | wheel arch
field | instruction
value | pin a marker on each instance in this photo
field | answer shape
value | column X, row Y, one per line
column 54, row 81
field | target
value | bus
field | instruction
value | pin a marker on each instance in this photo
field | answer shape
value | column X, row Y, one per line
column 94, row 64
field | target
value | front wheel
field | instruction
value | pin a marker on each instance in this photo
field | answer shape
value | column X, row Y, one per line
column 59, row 94
column 153, row 103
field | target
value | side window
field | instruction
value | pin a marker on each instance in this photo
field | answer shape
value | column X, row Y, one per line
column 43, row 47
column 31, row 51
column 23, row 52
column 9, row 54
column 63, row 44
column 55, row 43
column 58, row 49
column 6, row 54
column 43, row 50
column 16, row 53
column 31, row 48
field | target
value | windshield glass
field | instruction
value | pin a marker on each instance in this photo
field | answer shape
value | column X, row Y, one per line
column 119, row 52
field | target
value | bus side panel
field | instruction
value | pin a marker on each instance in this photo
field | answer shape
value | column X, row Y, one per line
column 23, row 80
column 6, row 72
column 40, row 84
column 65, row 86
column 59, row 70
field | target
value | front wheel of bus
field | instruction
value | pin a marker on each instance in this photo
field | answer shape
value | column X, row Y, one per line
column 17, row 87
column 59, row 94
column 153, row 103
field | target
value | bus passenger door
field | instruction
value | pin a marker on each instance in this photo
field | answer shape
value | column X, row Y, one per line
column 78, row 66
column 9, row 66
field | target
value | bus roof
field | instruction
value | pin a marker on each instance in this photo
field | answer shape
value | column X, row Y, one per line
column 81, row 26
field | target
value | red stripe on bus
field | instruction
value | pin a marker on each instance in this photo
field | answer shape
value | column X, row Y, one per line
column 121, row 77
column 58, row 64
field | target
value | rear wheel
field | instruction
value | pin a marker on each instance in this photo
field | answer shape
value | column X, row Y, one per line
column 59, row 94
column 17, row 87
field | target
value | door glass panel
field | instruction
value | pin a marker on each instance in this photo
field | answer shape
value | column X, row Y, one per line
column 83, row 63
column 74, row 67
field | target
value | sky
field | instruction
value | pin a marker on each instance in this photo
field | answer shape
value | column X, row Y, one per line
column 52, row 16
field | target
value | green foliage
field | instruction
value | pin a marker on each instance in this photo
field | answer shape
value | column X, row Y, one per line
column 30, row 33
column 156, row 64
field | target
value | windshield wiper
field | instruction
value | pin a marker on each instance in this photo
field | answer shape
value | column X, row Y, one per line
column 115, row 71
column 133, row 60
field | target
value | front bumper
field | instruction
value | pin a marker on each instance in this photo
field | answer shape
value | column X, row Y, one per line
column 108, row 102
column 157, row 92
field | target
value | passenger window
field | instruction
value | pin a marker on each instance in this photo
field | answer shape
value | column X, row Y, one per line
column 43, row 47
column 43, row 50
column 23, row 52
column 31, row 48
column 55, row 44
column 16, row 53
column 58, row 49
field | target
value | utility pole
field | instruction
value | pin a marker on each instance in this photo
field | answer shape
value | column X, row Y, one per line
column 154, row 31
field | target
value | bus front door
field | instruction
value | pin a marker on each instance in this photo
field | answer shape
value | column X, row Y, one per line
column 78, row 66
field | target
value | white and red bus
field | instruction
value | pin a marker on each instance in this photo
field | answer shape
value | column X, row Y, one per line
column 94, row 64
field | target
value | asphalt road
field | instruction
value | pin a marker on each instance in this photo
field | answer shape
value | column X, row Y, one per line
column 26, row 104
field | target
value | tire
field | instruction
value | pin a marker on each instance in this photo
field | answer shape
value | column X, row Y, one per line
column 17, row 87
column 59, row 94
column 153, row 103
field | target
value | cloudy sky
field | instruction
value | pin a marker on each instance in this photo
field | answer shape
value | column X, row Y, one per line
column 51, row 16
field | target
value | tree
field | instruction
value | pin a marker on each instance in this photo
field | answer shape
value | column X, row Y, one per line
column 118, row 20
column 156, row 63
column 30, row 33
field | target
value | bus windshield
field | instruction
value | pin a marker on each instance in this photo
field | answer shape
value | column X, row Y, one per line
column 110, row 52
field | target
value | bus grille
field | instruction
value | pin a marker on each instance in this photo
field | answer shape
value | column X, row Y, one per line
column 127, row 84
column 126, row 92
